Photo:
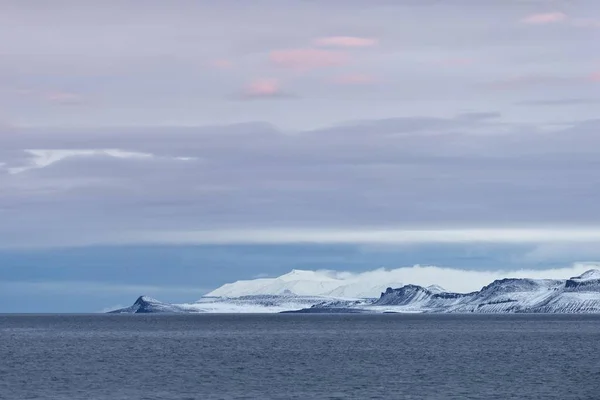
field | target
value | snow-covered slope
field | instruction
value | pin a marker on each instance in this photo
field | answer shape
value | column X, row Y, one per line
column 318, row 292
column 436, row 289
column 244, row 304
column 414, row 298
column 579, row 294
column 307, row 283
column 510, row 295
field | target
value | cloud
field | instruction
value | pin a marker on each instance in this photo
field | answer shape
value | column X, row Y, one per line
column 91, row 288
column 451, row 279
column 346, row 41
column 471, row 177
column 52, row 96
column 560, row 102
column 64, row 97
column 533, row 80
column 365, row 236
column 556, row 252
column 586, row 23
column 148, row 73
column 6, row 126
column 406, row 162
column 307, row 59
column 42, row 158
column 595, row 76
column 354, row 79
column 455, row 62
column 545, row 18
column 560, row 17
column 221, row 63
column 267, row 87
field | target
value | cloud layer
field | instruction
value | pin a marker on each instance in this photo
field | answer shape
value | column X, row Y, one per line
column 127, row 127
column 467, row 177
column 545, row 18
column 466, row 281
column 307, row 59
column 79, row 64
column 371, row 283
column 346, row 41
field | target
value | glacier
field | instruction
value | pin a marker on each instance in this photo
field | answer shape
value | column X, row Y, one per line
column 315, row 292
column 307, row 283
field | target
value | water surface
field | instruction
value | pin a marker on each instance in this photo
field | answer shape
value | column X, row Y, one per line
column 287, row 356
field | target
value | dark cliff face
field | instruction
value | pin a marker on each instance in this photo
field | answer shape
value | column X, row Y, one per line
column 412, row 293
column 147, row 305
column 589, row 285
column 586, row 282
column 511, row 285
column 450, row 295
column 141, row 301
column 403, row 296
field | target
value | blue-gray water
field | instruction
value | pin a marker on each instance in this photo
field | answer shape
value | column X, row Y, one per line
column 299, row 357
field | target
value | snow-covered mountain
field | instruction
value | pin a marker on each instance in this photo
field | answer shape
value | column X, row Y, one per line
column 580, row 294
column 313, row 292
column 239, row 305
column 307, row 283
column 147, row 305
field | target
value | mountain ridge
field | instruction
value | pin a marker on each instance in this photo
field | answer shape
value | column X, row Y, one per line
column 509, row 295
column 578, row 294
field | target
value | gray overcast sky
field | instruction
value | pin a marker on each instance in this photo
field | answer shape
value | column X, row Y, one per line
column 295, row 64
column 131, row 122
column 424, row 131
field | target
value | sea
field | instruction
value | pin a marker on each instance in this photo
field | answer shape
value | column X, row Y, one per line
column 299, row 356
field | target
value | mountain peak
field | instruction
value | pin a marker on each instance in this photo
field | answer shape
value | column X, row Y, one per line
column 145, row 304
column 436, row 289
column 299, row 273
column 587, row 275
column 327, row 292
column 145, row 299
column 296, row 272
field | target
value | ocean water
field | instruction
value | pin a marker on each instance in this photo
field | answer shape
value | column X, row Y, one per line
column 114, row 357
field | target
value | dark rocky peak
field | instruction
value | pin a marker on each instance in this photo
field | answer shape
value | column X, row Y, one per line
column 509, row 285
column 403, row 295
column 589, row 281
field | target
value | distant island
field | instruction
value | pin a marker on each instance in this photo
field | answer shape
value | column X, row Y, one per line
column 579, row 294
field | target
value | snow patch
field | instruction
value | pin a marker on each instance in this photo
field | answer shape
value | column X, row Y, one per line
column 592, row 274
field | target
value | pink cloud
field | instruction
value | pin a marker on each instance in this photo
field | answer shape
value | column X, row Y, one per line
column 221, row 63
column 546, row 18
column 307, row 59
column 346, row 41
column 354, row 79
column 263, row 88
column 595, row 77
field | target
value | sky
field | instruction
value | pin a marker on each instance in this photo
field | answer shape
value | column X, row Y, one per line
column 166, row 148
